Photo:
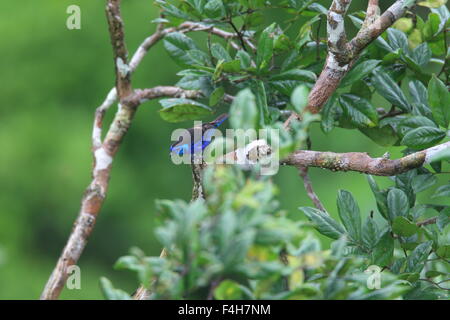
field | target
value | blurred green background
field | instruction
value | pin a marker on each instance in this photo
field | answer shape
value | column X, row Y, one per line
column 52, row 79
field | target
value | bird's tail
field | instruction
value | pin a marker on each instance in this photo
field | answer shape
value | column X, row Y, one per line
column 220, row 119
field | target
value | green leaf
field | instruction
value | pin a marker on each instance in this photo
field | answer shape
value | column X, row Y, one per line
column 387, row 87
column 198, row 5
column 349, row 213
column 180, row 109
column 380, row 197
column 319, row 8
column 384, row 136
column 281, row 43
column 432, row 26
column 243, row 111
column 128, row 263
column 233, row 66
column 442, row 191
column 422, row 54
column 432, row 3
column 214, row 9
column 244, row 58
column 418, row 92
column 359, row 111
column 439, row 100
column 416, row 260
column 384, row 250
column 423, row 182
column 198, row 58
column 218, row 70
column 414, row 122
column 216, row 96
column 265, row 48
column 110, row 292
column 328, row 114
column 361, row 89
column 398, row 40
column 228, row 290
column 444, row 251
column 171, row 10
column 398, row 204
column 195, row 82
column 359, row 72
column 299, row 98
column 324, row 223
column 261, row 100
column 370, row 233
column 403, row 227
column 444, row 16
column 419, row 97
column 443, row 219
column 434, row 274
column 295, row 74
column 219, row 52
column 410, row 276
column 178, row 45
column 423, row 137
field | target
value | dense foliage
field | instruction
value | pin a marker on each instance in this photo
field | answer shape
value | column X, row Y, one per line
column 237, row 243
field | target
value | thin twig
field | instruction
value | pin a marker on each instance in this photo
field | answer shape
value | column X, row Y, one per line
column 303, row 171
column 435, row 284
column 426, row 222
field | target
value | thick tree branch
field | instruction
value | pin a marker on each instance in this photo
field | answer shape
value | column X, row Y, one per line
column 252, row 153
column 362, row 162
column 342, row 54
column 372, row 13
column 116, row 32
column 337, row 63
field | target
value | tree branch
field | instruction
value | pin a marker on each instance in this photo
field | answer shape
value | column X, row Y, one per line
column 342, row 54
column 116, row 32
column 303, row 171
column 427, row 222
column 252, row 154
column 362, row 162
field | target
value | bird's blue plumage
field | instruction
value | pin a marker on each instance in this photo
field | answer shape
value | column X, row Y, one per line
column 192, row 147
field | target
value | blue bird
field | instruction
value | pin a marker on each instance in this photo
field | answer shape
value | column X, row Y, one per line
column 182, row 147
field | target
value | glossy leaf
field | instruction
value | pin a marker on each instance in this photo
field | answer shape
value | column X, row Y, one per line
column 389, row 89
column 423, row 137
column 179, row 109
column 403, row 227
column 299, row 98
column 349, row 213
column 324, row 223
column 439, row 100
column 398, row 204
column 243, row 111
column 415, row 261
column 359, row 72
column 384, row 250
column 359, row 111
